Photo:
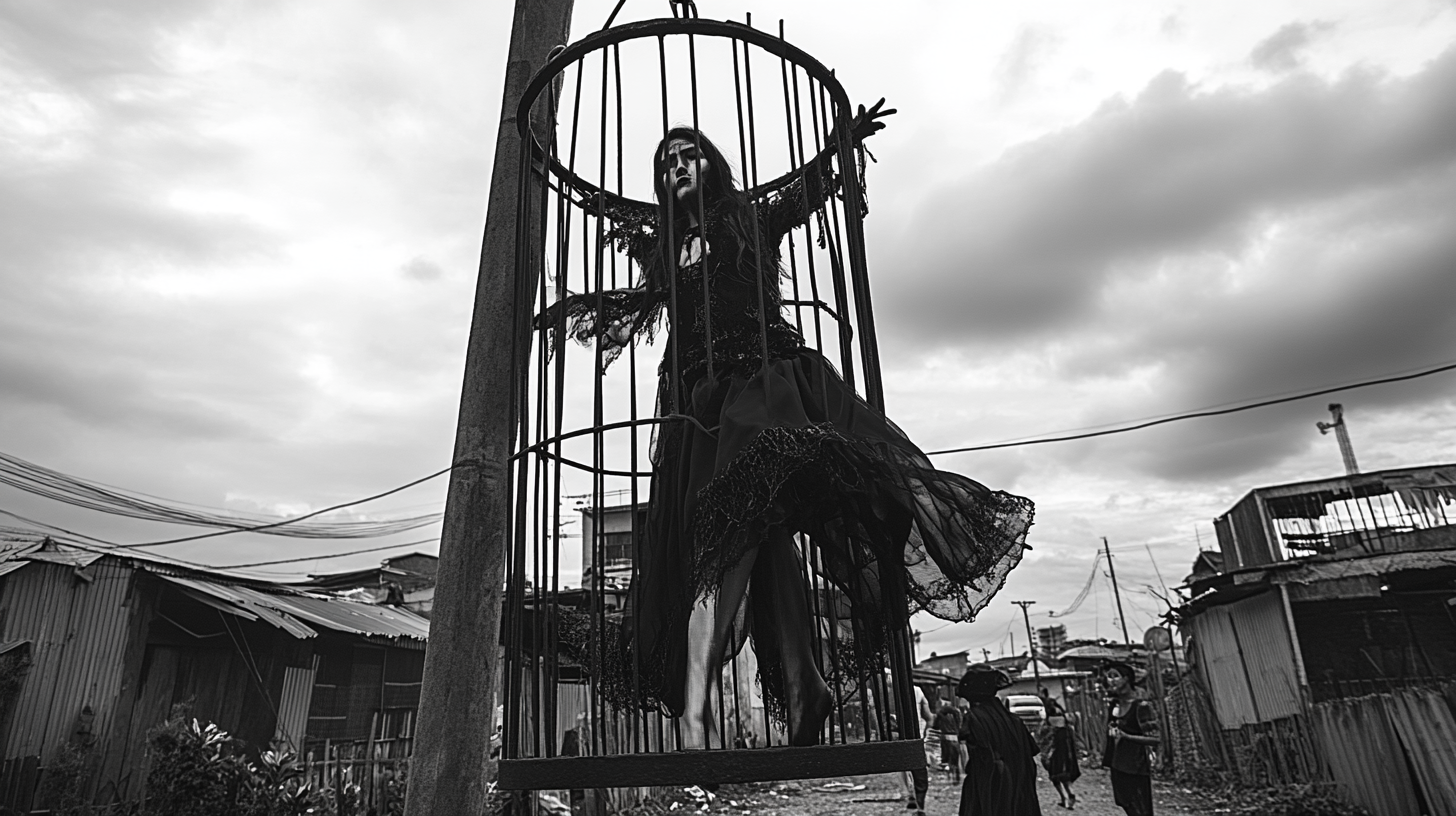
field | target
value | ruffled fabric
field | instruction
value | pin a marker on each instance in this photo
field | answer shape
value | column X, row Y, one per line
column 795, row 448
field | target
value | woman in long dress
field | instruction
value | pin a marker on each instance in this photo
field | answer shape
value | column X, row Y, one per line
column 764, row 441
column 1058, row 742
column 996, row 749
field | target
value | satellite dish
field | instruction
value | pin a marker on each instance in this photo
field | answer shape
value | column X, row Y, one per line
column 1157, row 639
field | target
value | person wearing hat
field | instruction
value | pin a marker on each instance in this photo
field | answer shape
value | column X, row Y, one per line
column 996, row 749
column 1132, row 728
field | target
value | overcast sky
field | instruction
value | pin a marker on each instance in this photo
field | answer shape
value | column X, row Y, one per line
column 238, row 245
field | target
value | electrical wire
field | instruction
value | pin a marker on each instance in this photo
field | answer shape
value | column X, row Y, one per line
column 432, row 518
column 332, row 555
column 91, row 495
column 1199, row 414
column 1086, row 588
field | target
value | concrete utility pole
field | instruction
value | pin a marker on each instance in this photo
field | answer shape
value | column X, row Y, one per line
column 1347, row 451
column 1116, row 593
column 450, row 767
column 1030, row 641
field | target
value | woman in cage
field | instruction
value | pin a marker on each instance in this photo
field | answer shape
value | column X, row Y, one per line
column 763, row 441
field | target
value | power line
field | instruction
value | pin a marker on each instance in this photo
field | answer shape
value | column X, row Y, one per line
column 1086, row 588
column 276, row 524
column 96, row 496
column 1200, row 413
column 92, row 495
column 331, row 555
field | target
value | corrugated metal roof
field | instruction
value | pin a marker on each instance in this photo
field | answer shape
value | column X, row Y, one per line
column 68, row 558
column 245, row 603
column 294, row 612
column 368, row 619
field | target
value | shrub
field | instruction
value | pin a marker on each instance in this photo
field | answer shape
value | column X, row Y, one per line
column 194, row 769
column 63, row 788
column 1310, row 799
column 276, row 787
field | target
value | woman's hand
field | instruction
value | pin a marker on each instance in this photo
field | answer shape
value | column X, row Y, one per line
column 867, row 122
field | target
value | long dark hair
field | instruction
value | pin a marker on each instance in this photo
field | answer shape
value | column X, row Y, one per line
column 726, row 211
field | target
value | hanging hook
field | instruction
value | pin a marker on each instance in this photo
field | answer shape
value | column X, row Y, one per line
column 689, row 8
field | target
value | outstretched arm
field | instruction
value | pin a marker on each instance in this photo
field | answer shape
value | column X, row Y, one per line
column 614, row 317
column 794, row 196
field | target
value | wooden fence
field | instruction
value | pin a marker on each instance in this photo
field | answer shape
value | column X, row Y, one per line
column 361, row 776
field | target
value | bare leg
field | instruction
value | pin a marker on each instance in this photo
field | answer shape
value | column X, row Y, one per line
column 708, row 627
column 809, row 699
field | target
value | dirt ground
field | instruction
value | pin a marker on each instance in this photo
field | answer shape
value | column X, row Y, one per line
column 884, row 795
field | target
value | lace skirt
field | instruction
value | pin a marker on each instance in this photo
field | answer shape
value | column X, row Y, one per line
column 792, row 446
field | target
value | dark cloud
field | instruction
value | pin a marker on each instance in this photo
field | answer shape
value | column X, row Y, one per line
column 1029, row 245
column 1281, row 50
column 1203, row 248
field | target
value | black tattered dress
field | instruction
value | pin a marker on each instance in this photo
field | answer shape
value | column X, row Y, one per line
column 778, row 439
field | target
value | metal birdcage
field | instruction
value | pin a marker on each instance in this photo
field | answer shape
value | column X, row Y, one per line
column 587, row 416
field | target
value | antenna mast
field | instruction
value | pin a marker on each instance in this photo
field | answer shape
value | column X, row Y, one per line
column 1347, row 451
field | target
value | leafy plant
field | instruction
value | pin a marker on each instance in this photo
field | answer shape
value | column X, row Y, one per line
column 276, row 787
column 63, row 788
column 194, row 768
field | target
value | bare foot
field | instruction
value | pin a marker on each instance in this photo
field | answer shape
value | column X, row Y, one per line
column 806, row 718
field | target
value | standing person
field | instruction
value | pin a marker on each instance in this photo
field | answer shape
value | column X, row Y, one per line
column 996, row 749
column 1058, row 742
column 762, row 442
column 1132, row 728
column 917, row 782
column 948, row 723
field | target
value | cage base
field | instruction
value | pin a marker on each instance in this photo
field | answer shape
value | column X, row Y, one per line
column 708, row 767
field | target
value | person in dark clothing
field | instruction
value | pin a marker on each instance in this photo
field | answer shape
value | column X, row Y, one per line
column 996, row 749
column 1132, row 728
column 1058, row 743
column 948, row 723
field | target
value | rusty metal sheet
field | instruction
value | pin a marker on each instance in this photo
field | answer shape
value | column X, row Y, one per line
column 71, row 558
column 1425, row 725
column 1222, row 663
column 246, row 603
column 1268, row 652
column 1364, row 755
column 298, row 613
column 78, row 634
column 360, row 618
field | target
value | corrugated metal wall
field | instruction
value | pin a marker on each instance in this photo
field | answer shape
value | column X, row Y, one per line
column 78, row 632
column 1248, row 656
column 1388, row 752
column 1425, row 726
column 293, row 706
column 1364, row 756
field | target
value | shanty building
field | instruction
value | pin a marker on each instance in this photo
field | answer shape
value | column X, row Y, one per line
column 1326, row 637
column 97, row 647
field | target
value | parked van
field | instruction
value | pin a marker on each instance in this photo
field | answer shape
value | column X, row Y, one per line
column 1027, row 708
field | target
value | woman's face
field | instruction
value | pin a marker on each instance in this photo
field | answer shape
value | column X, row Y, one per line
column 684, row 170
column 1115, row 681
